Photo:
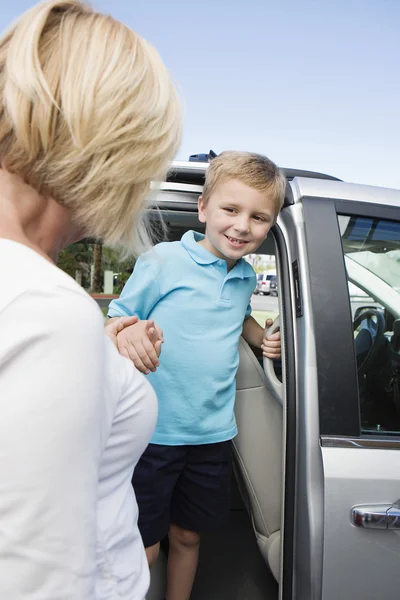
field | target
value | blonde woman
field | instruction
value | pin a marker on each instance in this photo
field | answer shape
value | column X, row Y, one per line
column 88, row 117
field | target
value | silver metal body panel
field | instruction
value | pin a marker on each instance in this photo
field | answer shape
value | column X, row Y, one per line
column 338, row 190
column 310, row 479
column 362, row 564
column 184, row 165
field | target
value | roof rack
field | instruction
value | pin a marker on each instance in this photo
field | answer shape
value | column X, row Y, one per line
column 204, row 158
column 194, row 173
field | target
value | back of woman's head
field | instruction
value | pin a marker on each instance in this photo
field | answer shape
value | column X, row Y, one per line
column 88, row 116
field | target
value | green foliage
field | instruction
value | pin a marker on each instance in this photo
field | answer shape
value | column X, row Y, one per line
column 79, row 257
column 259, row 269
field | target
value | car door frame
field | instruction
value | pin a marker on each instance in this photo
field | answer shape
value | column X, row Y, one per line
column 302, row 524
column 324, row 409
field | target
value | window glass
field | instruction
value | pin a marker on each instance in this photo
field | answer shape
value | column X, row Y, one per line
column 372, row 256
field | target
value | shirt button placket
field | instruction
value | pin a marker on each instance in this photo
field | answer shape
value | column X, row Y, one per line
column 225, row 299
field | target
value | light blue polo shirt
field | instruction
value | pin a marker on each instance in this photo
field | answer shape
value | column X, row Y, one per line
column 200, row 307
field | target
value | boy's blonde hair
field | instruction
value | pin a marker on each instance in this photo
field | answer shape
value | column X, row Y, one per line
column 252, row 169
column 88, row 116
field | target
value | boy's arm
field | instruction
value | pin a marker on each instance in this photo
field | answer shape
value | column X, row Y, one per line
column 253, row 333
column 140, row 293
column 142, row 341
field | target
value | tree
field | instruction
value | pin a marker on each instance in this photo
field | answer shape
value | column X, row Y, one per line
column 77, row 258
column 97, row 285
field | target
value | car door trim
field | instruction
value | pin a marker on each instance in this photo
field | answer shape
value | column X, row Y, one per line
column 289, row 372
column 337, row 370
column 366, row 209
column 376, row 442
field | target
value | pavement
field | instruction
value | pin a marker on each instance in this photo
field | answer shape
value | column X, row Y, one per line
column 103, row 300
column 265, row 303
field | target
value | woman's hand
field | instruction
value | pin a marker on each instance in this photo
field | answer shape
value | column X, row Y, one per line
column 141, row 343
column 115, row 325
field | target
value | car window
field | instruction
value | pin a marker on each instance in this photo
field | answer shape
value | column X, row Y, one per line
column 372, row 256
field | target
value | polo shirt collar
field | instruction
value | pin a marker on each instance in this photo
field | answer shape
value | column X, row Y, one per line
column 195, row 250
column 203, row 257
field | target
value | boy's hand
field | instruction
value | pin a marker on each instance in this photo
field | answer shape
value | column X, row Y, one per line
column 115, row 325
column 141, row 343
column 271, row 345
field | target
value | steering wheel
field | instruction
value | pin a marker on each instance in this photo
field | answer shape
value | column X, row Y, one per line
column 369, row 338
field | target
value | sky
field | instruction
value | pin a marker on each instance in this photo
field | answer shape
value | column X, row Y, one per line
column 313, row 84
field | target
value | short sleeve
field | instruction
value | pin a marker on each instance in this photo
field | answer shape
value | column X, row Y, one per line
column 248, row 311
column 140, row 294
column 51, row 440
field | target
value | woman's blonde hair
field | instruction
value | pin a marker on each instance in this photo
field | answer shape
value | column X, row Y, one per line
column 88, row 116
column 254, row 170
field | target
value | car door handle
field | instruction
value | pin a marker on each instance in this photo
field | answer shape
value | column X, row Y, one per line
column 376, row 516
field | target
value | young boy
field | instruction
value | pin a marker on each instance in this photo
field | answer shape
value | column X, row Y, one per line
column 198, row 291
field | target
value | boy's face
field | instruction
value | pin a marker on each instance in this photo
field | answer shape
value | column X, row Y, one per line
column 238, row 219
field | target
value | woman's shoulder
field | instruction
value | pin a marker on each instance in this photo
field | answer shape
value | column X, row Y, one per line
column 26, row 274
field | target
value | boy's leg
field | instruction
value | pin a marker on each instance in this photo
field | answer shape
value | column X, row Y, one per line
column 153, row 481
column 152, row 553
column 182, row 562
column 200, row 502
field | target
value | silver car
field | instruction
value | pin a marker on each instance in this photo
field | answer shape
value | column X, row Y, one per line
column 315, row 506
column 263, row 286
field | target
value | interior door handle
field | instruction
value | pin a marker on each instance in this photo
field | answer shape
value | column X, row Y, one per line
column 376, row 516
column 275, row 386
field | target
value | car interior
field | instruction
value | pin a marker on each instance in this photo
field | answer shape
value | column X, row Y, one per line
column 242, row 560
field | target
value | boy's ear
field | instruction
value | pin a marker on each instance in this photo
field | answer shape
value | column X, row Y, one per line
column 201, row 210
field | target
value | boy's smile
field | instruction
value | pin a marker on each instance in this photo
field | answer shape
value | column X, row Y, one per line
column 238, row 219
column 235, row 242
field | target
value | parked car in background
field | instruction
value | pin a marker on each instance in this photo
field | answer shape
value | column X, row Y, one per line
column 259, row 278
column 273, row 286
column 263, row 284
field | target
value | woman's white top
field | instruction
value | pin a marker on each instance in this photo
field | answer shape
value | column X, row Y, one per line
column 75, row 416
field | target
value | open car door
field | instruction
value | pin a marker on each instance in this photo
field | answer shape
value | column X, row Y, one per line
column 342, row 462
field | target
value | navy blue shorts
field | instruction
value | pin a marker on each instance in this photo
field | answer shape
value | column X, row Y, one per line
column 187, row 486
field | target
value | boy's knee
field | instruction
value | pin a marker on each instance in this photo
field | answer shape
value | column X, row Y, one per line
column 183, row 537
column 152, row 553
